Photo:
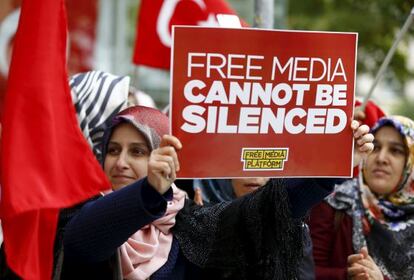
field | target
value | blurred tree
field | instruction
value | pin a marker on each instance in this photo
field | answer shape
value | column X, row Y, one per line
column 376, row 21
column 404, row 107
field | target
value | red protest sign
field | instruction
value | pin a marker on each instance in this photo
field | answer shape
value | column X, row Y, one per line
column 263, row 103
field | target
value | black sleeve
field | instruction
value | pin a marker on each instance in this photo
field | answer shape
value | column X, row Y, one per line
column 304, row 193
column 102, row 225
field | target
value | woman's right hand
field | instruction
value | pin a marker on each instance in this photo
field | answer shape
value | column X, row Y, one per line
column 163, row 164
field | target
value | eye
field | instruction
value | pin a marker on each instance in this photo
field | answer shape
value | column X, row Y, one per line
column 377, row 147
column 397, row 151
column 139, row 151
column 113, row 150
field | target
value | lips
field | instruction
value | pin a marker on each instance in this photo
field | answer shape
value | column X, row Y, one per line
column 122, row 178
column 380, row 172
column 252, row 186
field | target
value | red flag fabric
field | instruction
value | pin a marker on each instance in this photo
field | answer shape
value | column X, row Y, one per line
column 372, row 112
column 156, row 17
column 46, row 163
column 82, row 21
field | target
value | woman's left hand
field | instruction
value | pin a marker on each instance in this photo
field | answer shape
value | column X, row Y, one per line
column 163, row 164
column 363, row 141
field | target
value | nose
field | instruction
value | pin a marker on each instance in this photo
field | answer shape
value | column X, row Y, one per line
column 258, row 180
column 382, row 156
column 261, row 181
column 122, row 161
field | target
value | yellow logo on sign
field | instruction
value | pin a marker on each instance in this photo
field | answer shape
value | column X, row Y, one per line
column 264, row 159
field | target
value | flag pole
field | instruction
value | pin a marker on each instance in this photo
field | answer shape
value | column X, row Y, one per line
column 263, row 14
column 388, row 58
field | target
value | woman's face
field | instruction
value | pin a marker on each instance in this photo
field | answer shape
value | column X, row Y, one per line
column 127, row 156
column 385, row 165
column 244, row 186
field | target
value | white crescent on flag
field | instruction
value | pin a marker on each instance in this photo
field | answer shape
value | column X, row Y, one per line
column 8, row 28
column 167, row 11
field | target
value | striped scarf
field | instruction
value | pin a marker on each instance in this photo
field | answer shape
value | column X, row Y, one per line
column 98, row 97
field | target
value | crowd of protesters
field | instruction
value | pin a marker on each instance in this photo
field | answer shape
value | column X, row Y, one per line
column 147, row 227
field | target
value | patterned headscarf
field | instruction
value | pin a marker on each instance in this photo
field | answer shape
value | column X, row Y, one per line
column 385, row 224
column 151, row 123
column 404, row 192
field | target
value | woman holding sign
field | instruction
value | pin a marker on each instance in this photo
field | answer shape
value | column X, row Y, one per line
column 365, row 229
column 146, row 229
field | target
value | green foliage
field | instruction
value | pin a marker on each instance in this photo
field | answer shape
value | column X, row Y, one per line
column 376, row 21
column 404, row 107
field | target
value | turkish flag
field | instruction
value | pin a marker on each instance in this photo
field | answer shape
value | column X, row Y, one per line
column 82, row 20
column 372, row 112
column 156, row 18
column 46, row 163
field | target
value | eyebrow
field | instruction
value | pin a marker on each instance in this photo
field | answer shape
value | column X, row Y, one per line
column 389, row 142
column 399, row 145
column 141, row 144
column 393, row 143
column 133, row 143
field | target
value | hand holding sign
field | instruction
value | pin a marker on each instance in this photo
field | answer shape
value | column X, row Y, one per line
column 363, row 141
column 163, row 164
